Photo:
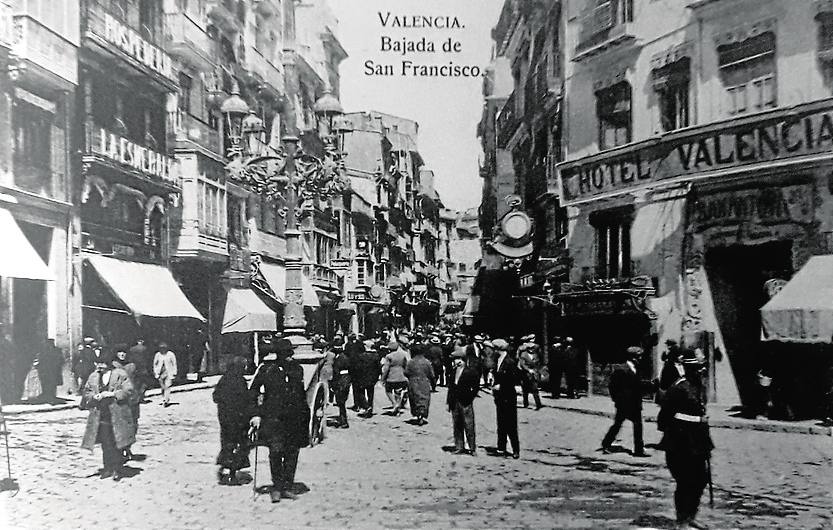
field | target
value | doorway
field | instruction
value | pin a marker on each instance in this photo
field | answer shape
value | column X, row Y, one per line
column 737, row 275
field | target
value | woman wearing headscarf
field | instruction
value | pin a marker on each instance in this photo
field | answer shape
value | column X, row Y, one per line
column 420, row 375
column 232, row 398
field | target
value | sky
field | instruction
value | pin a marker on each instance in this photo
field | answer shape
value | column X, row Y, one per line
column 447, row 109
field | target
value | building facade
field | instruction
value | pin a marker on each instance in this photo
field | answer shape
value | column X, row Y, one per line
column 696, row 173
column 39, row 42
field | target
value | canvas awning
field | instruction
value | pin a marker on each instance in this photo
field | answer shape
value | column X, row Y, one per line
column 146, row 290
column 802, row 311
column 276, row 278
column 246, row 312
column 19, row 258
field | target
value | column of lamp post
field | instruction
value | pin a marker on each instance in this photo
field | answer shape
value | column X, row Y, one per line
column 249, row 165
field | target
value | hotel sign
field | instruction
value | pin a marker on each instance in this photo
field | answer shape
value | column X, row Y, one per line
column 131, row 43
column 123, row 151
column 772, row 137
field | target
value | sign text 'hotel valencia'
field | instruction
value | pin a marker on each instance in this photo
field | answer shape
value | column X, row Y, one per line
column 774, row 136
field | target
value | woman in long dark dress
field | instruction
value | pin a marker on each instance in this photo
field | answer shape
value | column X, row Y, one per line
column 232, row 398
column 420, row 375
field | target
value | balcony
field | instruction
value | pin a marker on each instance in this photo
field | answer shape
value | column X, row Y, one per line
column 109, row 149
column 263, row 69
column 110, row 36
column 324, row 276
column 187, row 39
column 507, row 121
column 607, row 26
column 199, row 239
column 44, row 57
column 189, row 132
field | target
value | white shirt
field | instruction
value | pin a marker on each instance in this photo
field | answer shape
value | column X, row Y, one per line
column 500, row 360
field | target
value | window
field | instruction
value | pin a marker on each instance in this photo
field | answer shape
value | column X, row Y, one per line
column 381, row 274
column 613, row 107
column 671, row 83
column 462, row 267
column 148, row 19
column 747, row 69
column 825, row 31
column 236, row 221
column 268, row 216
column 32, row 147
column 613, row 244
column 362, row 271
column 185, row 85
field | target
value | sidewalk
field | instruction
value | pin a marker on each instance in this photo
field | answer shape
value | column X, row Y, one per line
column 72, row 401
column 719, row 417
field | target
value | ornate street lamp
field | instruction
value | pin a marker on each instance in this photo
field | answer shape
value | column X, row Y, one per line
column 289, row 174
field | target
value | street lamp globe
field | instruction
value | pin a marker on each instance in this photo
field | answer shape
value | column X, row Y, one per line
column 234, row 109
column 326, row 108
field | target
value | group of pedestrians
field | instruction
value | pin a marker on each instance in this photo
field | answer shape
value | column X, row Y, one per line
column 112, row 381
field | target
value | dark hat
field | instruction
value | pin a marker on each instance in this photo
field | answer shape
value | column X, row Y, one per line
column 163, row 345
column 284, row 346
column 120, row 347
column 635, row 351
column 338, row 342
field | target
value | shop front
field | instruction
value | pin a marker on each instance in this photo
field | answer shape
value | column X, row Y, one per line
column 124, row 300
column 716, row 215
column 604, row 322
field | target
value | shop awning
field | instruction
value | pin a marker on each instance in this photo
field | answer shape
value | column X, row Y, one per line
column 146, row 290
column 19, row 259
column 276, row 277
column 246, row 312
column 803, row 310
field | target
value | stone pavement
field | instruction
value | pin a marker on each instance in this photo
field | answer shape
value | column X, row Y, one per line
column 386, row 473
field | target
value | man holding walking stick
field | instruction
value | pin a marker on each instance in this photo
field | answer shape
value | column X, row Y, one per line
column 280, row 414
column 686, row 440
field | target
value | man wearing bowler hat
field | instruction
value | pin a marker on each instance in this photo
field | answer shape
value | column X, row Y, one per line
column 280, row 414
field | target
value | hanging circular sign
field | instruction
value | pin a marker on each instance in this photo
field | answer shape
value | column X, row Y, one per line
column 516, row 225
column 376, row 291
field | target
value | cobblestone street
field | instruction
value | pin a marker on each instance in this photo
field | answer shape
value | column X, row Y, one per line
column 385, row 472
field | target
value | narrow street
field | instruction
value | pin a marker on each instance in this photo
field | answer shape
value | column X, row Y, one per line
column 385, row 472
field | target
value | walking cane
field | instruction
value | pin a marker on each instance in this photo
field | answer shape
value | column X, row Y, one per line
column 711, row 484
column 7, row 484
column 253, row 438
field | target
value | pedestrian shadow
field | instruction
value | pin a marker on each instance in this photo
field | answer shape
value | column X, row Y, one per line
column 494, row 451
column 130, row 471
column 654, row 521
column 299, row 488
column 414, row 421
column 449, row 448
column 138, row 457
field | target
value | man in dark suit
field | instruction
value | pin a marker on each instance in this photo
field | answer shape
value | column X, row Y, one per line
column 626, row 389
column 506, row 398
column 280, row 414
column 463, row 384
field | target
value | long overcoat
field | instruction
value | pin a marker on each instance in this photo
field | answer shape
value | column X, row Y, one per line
column 420, row 373
column 284, row 410
column 121, row 415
